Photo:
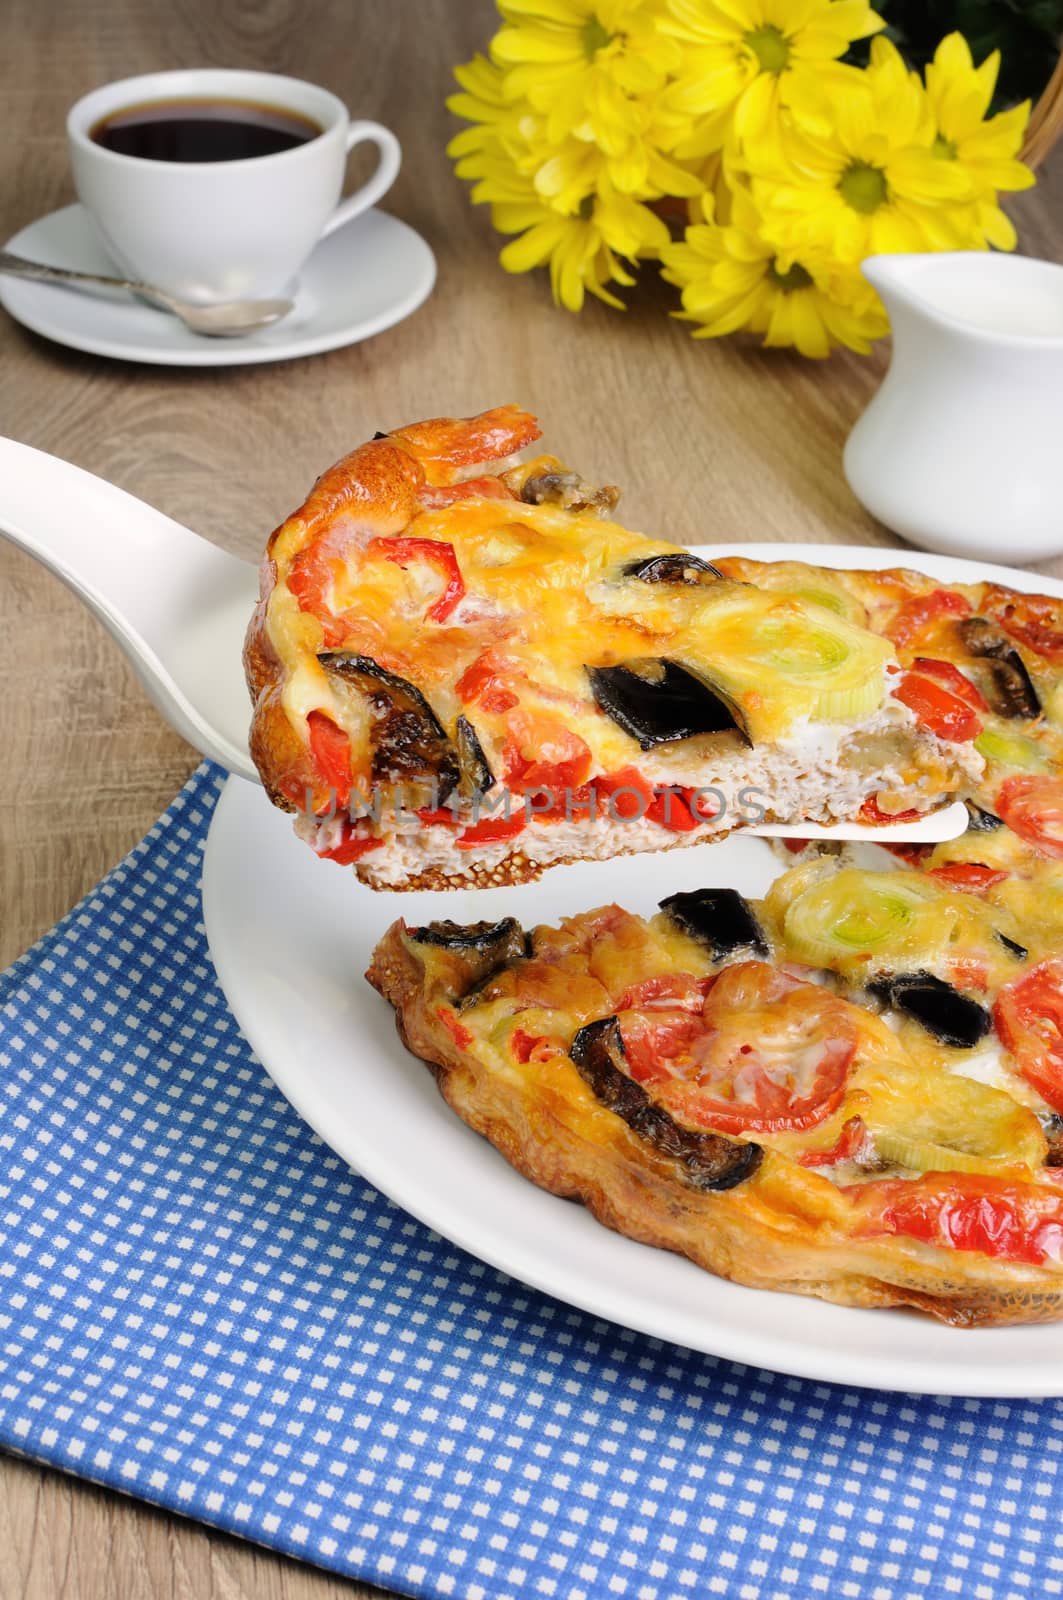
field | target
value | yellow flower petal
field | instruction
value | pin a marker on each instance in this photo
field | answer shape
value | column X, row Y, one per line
column 533, row 44
column 809, row 333
column 918, row 175
column 568, row 13
column 533, row 248
column 998, row 228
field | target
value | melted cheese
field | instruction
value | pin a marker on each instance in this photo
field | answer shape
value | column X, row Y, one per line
column 544, row 590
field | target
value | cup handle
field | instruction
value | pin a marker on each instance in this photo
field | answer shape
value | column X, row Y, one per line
column 379, row 184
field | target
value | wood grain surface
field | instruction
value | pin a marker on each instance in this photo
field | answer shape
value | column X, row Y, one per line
column 710, row 440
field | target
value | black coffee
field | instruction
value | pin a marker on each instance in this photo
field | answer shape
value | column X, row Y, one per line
column 203, row 130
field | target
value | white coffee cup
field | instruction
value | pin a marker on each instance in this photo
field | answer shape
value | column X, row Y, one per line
column 223, row 230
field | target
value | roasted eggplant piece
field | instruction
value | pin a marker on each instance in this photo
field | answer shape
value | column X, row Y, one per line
column 1013, row 693
column 954, row 1018
column 501, row 940
column 982, row 821
column 476, row 774
column 475, row 952
column 657, row 701
column 681, row 567
column 720, row 919
column 406, row 738
column 706, row 1160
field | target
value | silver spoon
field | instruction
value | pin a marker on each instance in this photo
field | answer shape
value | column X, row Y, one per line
column 225, row 321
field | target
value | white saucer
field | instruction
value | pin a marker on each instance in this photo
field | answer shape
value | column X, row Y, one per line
column 360, row 280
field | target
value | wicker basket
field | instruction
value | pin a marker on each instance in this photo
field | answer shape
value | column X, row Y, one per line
column 1046, row 121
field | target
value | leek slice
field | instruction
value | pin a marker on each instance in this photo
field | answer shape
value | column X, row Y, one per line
column 860, row 924
column 816, row 586
column 941, row 1122
column 854, row 914
column 1011, row 750
column 923, row 1155
column 800, row 659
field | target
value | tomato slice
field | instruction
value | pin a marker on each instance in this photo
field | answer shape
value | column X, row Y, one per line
column 439, row 555
column 669, row 991
column 937, row 708
column 970, row 875
column 541, row 753
column 1029, row 1020
column 331, row 751
column 629, row 793
column 656, row 1037
column 352, row 846
column 671, row 809
column 1032, row 807
column 953, row 679
column 768, row 1052
column 482, row 682
column 917, row 614
column 492, row 830
column 438, row 814
column 871, row 811
column 1009, row 1220
column 1031, row 619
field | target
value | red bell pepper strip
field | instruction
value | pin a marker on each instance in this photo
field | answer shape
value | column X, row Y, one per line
column 402, row 551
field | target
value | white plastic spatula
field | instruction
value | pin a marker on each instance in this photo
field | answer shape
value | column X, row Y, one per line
column 178, row 606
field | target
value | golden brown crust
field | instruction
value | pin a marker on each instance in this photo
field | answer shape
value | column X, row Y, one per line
column 279, row 753
column 273, row 742
column 376, row 475
column 784, row 1228
column 275, row 748
column 377, row 479
column 378, row 487
column 513, row 870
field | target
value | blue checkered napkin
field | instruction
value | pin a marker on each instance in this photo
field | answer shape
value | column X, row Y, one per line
column 202, row 1306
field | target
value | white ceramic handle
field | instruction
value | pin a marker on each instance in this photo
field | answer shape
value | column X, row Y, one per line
column 175, row 603
column 379, row 184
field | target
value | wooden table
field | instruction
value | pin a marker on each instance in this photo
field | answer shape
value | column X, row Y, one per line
column 710, row 440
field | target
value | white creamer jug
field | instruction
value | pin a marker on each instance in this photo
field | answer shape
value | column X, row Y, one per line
column 961, row 449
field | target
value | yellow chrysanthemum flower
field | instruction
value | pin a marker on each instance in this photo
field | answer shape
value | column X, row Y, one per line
column 985, row 147
column 561, row 202
column 874, row 184
column 592, row 119
column 732, row 277
column 583, row 252
column 745, row 61
column 595, row 70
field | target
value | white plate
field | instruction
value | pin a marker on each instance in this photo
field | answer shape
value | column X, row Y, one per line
column 362, row 279
column 291, row 937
